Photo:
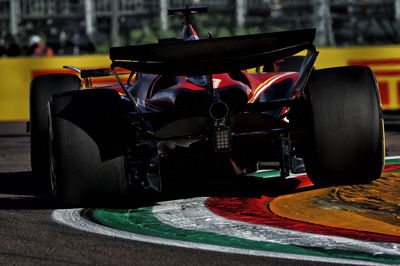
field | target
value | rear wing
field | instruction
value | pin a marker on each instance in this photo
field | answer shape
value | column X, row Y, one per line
column 212, row 56
column 187, row 10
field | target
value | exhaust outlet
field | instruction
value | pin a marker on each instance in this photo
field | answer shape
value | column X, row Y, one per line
column 219, row 110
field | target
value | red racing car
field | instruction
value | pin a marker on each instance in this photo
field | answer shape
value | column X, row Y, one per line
column 189, row 105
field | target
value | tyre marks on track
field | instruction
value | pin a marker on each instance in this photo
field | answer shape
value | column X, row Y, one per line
column 366, row 208
column 147, row 225
column 243, row 226
column 261, row 212
column 372, row 207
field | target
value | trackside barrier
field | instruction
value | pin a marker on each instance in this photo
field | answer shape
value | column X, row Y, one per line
column 383, row 60
column 16, row 74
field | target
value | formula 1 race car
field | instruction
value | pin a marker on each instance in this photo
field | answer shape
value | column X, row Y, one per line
column 189, row 105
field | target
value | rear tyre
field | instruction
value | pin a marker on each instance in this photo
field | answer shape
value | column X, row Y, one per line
column 42, row 87
column 345, row 127
column 87, row 148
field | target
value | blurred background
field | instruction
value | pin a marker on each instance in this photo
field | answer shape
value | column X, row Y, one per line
column 73, row 27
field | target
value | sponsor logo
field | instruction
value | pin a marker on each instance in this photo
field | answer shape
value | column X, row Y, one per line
column 387, row 72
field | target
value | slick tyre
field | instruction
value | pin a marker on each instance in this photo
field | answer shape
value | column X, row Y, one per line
column 345, row 135
column 87, row 148
column 42, row 87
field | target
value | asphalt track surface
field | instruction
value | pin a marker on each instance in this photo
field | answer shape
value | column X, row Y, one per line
column 29, row 235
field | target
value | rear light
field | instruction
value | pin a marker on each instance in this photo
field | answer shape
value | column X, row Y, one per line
column 222, row 138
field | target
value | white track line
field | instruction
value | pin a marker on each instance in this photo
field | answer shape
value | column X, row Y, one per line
column 192, row 214
column 73, row 218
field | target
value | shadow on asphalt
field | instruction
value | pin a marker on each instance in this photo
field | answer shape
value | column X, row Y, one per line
column 392, row 120
column 246, row 186
column 20, row 190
